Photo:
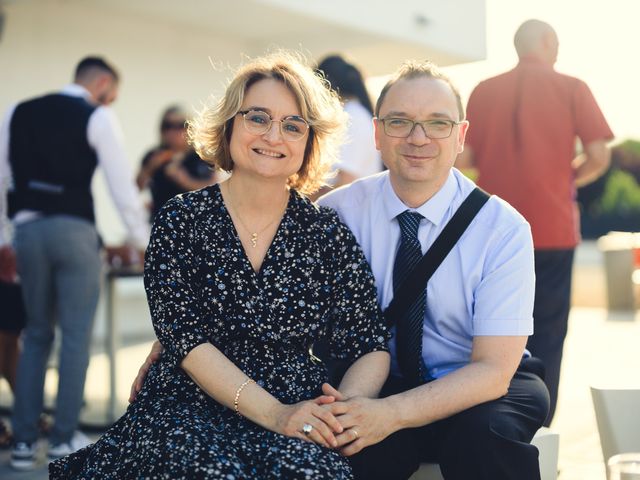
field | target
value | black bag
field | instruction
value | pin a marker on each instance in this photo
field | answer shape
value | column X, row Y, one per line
column 13, row 316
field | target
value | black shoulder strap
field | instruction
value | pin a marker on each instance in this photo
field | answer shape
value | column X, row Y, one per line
column 417, row 280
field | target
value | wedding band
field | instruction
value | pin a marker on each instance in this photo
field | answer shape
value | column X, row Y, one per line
column 355, row 433
column 307, row 428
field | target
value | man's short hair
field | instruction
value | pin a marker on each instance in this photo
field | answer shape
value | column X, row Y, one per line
column 415, row 69
column 88, row 66
column 528, row 36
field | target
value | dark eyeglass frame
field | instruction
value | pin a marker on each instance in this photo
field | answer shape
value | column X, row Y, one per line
column 286, row 134
column 165, row 125
column 425, row 124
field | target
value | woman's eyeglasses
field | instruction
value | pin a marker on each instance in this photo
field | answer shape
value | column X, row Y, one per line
column 257, row 122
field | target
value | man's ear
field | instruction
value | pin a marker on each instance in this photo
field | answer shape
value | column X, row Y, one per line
column 462, row 134
column 378, row 129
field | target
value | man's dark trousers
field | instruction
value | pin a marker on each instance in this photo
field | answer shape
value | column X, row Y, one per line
column 551, row 315
column 489, row 441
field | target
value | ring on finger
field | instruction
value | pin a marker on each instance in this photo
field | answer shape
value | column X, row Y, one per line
column 355, row 433
column 307, row 428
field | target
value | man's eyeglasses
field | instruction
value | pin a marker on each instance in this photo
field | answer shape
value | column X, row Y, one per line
column 403, row 127
column 258, row 122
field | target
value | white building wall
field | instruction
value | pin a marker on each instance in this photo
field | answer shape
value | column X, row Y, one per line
column 452, row 31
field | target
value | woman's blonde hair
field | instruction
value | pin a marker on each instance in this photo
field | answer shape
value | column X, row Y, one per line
column 210, row 131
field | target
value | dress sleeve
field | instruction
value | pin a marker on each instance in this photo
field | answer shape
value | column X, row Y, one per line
column 357, row 324
column 170, row 280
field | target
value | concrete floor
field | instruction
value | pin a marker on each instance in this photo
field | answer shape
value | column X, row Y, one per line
column 601, row 349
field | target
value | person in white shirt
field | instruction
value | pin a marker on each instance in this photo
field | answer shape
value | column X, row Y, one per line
column 50, row 147
column 476, row 402
column 358, row 156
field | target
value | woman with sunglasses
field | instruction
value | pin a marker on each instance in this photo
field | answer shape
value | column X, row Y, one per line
column 173, row 167
column 241, row 279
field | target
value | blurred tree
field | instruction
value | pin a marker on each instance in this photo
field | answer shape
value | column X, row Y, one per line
column 613, row 201
column 621, row 195
column 626, row 156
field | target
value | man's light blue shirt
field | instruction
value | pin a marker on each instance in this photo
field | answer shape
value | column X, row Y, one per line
column 485, row 286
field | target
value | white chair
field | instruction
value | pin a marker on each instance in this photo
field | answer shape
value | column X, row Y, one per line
column 618, row 417
column 428, row 471
column 547, row 441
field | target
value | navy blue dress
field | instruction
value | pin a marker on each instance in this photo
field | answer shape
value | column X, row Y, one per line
column 314, row 282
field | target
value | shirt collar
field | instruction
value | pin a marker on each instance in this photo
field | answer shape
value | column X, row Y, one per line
column 433, row 209
column 533, row 60
column 75, row 90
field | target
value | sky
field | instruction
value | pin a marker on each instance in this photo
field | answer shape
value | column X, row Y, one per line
column 599, row 43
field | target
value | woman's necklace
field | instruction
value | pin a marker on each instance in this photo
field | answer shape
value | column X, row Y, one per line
column 254, row 234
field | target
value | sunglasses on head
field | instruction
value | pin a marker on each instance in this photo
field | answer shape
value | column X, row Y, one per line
column 166, row 125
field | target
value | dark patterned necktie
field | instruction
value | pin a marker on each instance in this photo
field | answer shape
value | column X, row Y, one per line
column 409, row 328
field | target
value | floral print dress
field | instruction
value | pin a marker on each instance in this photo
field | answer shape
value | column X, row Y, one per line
column 314, row 283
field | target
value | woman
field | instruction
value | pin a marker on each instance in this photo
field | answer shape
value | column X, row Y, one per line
column 241, row 278
column 358, row 156
column 173, row 167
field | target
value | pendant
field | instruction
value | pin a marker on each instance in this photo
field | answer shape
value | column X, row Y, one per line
column 254, row 239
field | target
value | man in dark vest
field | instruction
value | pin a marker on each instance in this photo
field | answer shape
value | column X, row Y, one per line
column 50, row 147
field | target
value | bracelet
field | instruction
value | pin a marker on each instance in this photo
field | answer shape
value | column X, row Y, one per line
column 235, row 400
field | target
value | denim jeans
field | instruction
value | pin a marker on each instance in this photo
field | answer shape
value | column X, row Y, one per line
column 59, row 266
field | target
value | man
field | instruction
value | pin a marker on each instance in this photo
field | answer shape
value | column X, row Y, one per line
column 476, row 407
column 523, row 145
column 49, row 149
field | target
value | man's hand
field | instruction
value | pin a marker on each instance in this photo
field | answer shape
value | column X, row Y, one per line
column 8, row 265
column 154, row 355
column 365, row 420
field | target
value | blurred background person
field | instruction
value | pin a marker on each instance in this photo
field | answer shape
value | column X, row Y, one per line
column 11, row 324
column 50, row 147
column 522, row 139
column 172, row 167
column 358, row 156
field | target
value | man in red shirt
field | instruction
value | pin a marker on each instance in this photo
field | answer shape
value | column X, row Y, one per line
column 522, row 141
